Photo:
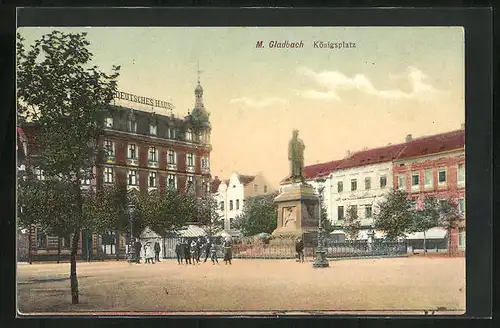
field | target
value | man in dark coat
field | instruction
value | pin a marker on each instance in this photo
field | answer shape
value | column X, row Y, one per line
column 199, row 246
column 299, row 248
column 207, row 247
column 137, row 247
column 228, row 251
column 187, row 251
column 179, row 251
column 157, row 250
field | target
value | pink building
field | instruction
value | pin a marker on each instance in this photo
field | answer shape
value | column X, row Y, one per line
column 434, row 165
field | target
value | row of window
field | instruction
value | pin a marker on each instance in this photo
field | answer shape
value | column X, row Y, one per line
column 368, row 209
column 354, row 208
column 153, row 130
column 368, row 184
column 429, row 181
column 231, row 205
column 132, row 153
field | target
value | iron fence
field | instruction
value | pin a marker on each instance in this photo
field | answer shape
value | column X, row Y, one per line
column 348, row 249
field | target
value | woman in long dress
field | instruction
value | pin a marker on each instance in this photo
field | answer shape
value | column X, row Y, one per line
column 228, row 251
column 149, row 253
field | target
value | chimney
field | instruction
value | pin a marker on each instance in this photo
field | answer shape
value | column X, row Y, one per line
column 408, row 138
column 348, row 153
column 462, row 126
column 389, row 144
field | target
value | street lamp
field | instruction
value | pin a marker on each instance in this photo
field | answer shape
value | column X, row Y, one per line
column 320, row 261
column 131, row 249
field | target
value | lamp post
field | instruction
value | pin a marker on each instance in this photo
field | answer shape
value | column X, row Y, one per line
column 131, row 249
column 371, row 234
column 320, row 261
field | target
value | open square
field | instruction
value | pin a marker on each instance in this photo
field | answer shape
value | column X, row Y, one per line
column 372, row 285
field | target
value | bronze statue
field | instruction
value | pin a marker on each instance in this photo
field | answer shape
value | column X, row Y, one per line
column 296, row 157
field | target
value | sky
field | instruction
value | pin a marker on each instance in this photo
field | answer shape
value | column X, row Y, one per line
column 395, row 81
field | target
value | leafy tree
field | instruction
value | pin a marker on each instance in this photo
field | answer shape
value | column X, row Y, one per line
column 325, row 222
column 352, row 225
column 208, row 214
column 162, row 211
column 426, row 217
column 395, row 215
column 59, row 90
column 260, row 214
column 450, row 218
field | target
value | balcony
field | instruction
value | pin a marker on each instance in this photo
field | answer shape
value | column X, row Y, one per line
column 153, row 164
column 172, row 166
column 133, row 161
column 190, row 168
column 109, row 158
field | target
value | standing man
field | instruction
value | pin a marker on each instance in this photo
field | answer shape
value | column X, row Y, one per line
column 207, row 246
column 138, row 247
column 179, row 251
column 228, row 251
column 157, row 251
column 187, row 251
column 199, row 247
column 212, row 248
column 299, row 248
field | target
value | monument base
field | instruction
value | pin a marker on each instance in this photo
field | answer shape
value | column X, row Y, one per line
column 298, row 210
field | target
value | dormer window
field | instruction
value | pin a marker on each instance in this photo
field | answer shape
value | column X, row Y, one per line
column 132, row 126
column 152, row 129
column 108, row 123
column 189, row 135
column 171, row 134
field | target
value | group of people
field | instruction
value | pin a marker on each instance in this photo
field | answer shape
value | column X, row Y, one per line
column 151, row 253
column 192, row 252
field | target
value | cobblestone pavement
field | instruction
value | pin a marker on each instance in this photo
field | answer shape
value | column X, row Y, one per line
column 410, row 284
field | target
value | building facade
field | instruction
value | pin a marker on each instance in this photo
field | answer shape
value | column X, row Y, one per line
column 232, row 193
column 143, row 151
column 432, row 165
column 435, row 166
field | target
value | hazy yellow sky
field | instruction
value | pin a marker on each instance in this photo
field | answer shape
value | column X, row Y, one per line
column 394, row 82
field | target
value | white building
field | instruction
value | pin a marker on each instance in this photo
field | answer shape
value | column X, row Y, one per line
column 360, row 180
column 232, row 193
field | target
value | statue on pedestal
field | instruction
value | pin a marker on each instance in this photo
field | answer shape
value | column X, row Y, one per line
column 296, row 149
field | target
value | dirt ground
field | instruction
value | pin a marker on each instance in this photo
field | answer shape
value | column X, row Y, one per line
column 411, row 284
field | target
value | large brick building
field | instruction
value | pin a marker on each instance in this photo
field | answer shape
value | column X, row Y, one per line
column 142, row 150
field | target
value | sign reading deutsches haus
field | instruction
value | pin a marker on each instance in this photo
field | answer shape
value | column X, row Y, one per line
column 143, row 100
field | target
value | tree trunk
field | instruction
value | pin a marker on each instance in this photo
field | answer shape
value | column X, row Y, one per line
column 58, row 250
column 117, row 245
column 73, row 277
column 30, row 249
column 425, row 246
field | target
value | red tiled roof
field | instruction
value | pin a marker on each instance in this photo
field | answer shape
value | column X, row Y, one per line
column 371, row 156
column 434, row 144
column 321, row 169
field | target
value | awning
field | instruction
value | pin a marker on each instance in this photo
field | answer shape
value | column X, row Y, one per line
column 433, row 233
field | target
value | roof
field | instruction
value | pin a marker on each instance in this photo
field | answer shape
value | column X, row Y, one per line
column 433, row 233
column 214, row 185
column 191, row 231
column 434, row 144
column 320, row 169
column 371, row 156
column 417, row 147
column 246, row 179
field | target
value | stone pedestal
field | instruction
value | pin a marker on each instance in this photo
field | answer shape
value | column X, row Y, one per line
column 298, row 211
